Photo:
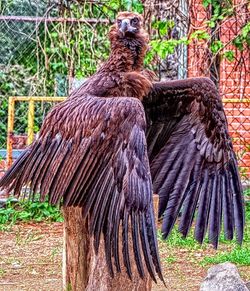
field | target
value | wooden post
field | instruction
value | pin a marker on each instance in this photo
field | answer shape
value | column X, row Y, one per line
column 83, row 269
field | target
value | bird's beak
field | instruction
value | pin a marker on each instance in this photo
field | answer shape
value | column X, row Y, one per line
column 124, row 26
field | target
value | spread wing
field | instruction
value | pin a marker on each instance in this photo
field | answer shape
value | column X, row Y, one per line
column 192, row 160
column 91, row 152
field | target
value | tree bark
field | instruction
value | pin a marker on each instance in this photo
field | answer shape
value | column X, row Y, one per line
column 83, row 269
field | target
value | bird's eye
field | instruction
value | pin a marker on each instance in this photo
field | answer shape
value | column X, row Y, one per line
column 119, row 21
column 134, row 21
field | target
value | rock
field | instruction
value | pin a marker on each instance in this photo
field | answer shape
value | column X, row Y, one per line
column 3, row 201
column 16, row 265
column 223, row 277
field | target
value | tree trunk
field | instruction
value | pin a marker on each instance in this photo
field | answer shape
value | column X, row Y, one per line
column 83, row 269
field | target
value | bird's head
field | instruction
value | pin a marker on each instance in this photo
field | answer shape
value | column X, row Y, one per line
column 129, row 24
column 127, row 29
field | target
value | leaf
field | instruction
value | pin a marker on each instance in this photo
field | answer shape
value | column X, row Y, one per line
column 246, row 31
column 200, row 35
column 229, row 55
column 206, row 3
column 216, row 46
column 238, row 43
column 211, row 23
column 54, row 34
column 163, row 26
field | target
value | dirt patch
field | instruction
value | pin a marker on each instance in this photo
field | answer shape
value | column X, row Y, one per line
column 31, row 256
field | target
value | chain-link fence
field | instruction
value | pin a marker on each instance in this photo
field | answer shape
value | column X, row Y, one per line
column 49, row 47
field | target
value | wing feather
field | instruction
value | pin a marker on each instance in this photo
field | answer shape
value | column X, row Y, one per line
column 136, row 246
column 91, row 153
column 192, row 160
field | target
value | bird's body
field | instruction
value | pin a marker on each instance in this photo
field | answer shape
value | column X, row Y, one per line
column 121, row 136
column 122, row 75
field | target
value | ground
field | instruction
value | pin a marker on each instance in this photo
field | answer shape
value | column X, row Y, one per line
column 31, row 253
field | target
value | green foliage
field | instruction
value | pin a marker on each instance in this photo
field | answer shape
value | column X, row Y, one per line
column 247, row 195
column 229, row 55
column 3, row 118
column 162, row 44
column 28, row 211
column 216, row 46
column 243, row 38
column 220, row 10
column 111, row 7
column 176, row 240
column 163, row 27
column 200, row 35
column 162, row 48
column 240, row 256
column 170, row 259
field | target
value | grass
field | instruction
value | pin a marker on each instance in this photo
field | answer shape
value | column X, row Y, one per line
column 2, row 272
column 239, row 256
column 23, row 211
column 170, row 259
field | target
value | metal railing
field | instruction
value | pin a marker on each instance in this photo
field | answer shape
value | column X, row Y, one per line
column 31, row 114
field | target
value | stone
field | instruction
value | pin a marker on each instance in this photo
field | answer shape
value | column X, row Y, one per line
column 16, row 265
column 4, row 199
column 223, row 277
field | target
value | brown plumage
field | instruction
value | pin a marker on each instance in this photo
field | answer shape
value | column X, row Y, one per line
column 119, row 136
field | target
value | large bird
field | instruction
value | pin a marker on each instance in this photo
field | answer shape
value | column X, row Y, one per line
column 119, row 138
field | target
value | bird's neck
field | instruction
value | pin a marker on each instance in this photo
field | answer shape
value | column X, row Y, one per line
column 122, row 60
column 127, row 54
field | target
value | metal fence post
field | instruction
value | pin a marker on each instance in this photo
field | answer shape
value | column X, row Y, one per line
column 11, row 113
column 31, row 114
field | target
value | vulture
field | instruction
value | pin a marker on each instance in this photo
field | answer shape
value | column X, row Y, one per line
column 122, row 136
